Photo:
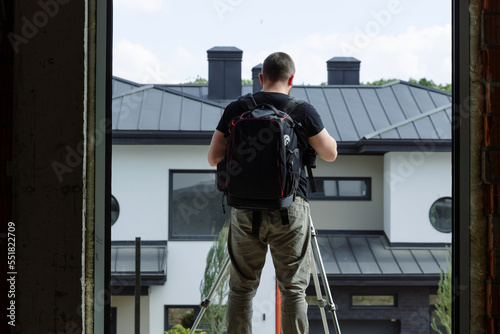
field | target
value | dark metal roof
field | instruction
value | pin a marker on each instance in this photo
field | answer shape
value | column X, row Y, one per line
column 201, row 90
column 394, row 112
column 361, row 258
column 151, row 107
column 398, row 110
column 121, row 86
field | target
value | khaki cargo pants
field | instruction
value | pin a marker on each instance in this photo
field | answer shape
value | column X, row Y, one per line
column 290, row 249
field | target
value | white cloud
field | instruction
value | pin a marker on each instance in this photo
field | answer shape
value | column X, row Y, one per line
column 413, row 54
column 142, row 5
column 136, row 63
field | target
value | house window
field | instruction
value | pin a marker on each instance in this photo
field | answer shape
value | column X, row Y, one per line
column 342, row 188
column 373, row 301
column 440, row 214
column 180, row 315
column 195, row 205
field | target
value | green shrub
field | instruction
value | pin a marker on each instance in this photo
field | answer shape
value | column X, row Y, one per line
column 179, row 329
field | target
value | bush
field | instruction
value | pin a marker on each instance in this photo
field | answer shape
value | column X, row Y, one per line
column 179, row 329
column 187, row 320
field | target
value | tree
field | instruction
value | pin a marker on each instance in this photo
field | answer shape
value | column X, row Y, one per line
column 422, row 81
column 430, row 83
column 198, row 80
column 202, row 81
column 215, row 314
column 379, row 82
column 443, row 301
column 179, row 329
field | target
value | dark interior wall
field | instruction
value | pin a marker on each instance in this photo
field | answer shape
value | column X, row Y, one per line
column 491, row 159
column 6, row 112
column 48, row 169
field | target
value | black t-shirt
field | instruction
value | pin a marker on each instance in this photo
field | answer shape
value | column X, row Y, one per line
column 305, row 114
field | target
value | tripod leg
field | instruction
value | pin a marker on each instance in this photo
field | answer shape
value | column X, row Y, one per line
column 331, row 305
column 321, row 301
column 206, row 302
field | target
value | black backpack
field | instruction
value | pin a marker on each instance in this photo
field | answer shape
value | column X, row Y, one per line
column 262, row 166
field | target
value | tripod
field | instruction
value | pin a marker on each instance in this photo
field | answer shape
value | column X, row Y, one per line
column 322, row 303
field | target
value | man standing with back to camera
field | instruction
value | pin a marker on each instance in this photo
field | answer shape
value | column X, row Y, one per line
column 289, row 244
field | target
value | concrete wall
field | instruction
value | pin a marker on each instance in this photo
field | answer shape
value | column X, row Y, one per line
column 58, row 47
column 49, row 102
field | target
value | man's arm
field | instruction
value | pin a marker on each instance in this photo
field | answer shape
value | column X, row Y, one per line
column 325, row 145
column 217, row 148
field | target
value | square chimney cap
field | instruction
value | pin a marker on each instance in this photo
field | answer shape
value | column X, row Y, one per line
column 343, row 62
column 225, row 52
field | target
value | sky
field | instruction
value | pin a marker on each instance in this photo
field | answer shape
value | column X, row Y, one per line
column 164, row 41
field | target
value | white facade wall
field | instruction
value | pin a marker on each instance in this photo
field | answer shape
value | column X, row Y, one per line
column 140, row 184
column 125, row 314
column 351, row 215
column 140, row 176
column 413, row 181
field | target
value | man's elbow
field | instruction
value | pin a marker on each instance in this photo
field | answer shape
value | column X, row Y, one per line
column 212, row 163
column 330, row 151
column 214, row 159
column 329, row 156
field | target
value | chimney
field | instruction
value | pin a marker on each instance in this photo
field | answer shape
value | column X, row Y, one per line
column 343, row 71
column 224, row 72
column 257, row 87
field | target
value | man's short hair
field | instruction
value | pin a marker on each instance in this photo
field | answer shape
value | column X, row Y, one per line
column 278, row 66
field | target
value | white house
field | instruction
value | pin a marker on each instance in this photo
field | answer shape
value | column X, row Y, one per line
column 382, row 210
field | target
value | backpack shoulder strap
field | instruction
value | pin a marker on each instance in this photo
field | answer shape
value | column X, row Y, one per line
column 310, row 159
column 247, row 101
column 291, row 105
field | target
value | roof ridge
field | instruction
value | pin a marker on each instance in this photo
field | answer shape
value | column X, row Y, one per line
column 189, row 96
column 133, row 91
column 406, row 121
column 169, row 90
